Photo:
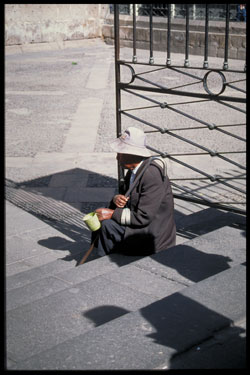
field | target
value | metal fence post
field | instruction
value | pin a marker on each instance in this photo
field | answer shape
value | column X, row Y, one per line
column 117, row 90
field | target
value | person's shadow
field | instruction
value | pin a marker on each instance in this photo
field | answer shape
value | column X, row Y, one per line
column 176, row 324
column 193, row 264
column 75, row 248
column 60, row 200
column 53, row 199
column 179, row 322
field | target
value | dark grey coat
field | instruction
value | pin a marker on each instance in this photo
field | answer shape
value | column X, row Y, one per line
column 151, row 204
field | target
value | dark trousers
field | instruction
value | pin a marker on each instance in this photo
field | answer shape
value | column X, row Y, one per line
column 110, row 237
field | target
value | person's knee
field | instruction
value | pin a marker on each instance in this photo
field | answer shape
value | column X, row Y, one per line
column 107, row 225
column 111, row 229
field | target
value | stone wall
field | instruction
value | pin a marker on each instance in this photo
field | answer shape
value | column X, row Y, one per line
column 38, row 23
column 236, row 45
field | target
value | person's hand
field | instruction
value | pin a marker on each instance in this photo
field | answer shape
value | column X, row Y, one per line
column 120, row 200
column 104, row 213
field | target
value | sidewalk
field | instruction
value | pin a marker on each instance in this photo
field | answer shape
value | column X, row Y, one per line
column 60, row 115
column 62, row 181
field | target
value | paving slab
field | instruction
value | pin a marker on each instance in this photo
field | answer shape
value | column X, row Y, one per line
column 84, row 126
column 44, row 323
column 30, row 270
column 64, row 268
column 207, row 218
column 21, row 247
column 67, row 180
column 144, row 281
column 89, row 194
column 225, row 350
column 198, row 258
column 56, row 193
column 154, row 334
column 203, row 221
column 34, row 291
column 32, row 240
column 22, row 224
column 101, row 266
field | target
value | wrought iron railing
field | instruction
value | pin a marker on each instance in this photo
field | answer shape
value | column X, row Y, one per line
column 217, row 12
column 188, row 96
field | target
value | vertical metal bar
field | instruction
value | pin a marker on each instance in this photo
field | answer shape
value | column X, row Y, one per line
column 186, row 63
column 169, row 36
column 205, row 64
column 117, row 69
column 117, row 88
column 134, row 34
column 225, row 65
column 151, row 59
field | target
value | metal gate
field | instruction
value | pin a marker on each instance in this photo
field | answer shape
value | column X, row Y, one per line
column 192, row 110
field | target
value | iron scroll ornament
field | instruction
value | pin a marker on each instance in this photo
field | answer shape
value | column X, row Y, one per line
column 205, row 83
column 205, row 80
column 133, row 75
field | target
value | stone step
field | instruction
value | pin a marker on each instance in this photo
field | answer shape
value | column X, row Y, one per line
column 204, row 221
column 151, row 336
column 200, row 257
column 196, row 258
column 56, row 308
column 46, row 322
column 188, row 226
column 226, row 349
column 40, row 282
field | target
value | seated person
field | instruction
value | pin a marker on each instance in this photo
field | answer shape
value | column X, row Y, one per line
column 141, row 223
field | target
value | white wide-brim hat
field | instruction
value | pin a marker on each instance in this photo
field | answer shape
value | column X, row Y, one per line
column 132, row 141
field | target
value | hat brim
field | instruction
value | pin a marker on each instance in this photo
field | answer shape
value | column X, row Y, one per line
column 123, row 148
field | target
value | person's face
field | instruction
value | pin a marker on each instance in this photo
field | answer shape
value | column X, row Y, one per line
column 126, row 161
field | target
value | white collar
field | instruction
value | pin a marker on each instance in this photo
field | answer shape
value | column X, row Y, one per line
column 137, row 167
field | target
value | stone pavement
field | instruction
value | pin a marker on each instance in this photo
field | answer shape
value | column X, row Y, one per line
column 53, row 165
column 59, row 118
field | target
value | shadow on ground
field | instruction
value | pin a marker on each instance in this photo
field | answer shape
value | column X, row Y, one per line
column 54, row 199
column 195, row 336
column 58, row 200
column 174, row 319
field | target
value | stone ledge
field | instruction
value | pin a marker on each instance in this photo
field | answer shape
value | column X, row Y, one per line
column 237, row 36
column 179, row 24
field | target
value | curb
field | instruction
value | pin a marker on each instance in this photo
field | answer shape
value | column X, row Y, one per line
column 49, row 46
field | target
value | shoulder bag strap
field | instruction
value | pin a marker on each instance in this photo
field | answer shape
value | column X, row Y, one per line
column 132, row 186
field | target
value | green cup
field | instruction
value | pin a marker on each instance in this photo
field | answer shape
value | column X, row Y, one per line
column 92, row 221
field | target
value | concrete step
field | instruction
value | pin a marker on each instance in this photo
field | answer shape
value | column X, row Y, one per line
column 46, row 322
column 204, row 221
column 40, row 282
column 53, row 309
column 188, row 227
column 152, row 336
column 196, row 258
column 226, row 349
